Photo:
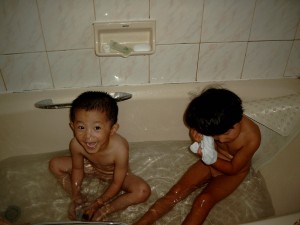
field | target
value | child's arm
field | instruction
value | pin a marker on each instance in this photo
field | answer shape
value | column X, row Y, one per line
column 77, row 171
column 241, row 160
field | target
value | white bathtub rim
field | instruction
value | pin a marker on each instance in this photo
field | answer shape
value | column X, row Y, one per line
column 288, row 219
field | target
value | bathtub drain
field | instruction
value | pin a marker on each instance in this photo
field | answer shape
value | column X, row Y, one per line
column 12, row 213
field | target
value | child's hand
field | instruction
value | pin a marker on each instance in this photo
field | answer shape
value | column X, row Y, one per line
column 90, row 210
column 72, row 211
column 74, row 205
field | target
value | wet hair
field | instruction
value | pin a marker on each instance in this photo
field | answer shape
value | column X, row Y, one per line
column 96, row 100
column 214, row 111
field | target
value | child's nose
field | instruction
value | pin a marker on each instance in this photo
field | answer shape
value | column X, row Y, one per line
column 88, row 134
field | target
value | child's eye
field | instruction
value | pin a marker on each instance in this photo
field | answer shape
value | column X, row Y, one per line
column 97, row 128
column 80, row 127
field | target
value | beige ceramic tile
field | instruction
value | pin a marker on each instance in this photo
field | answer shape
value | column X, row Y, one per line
column 121, row 10
column 227, row 20
column 120, row 71
column 221, row 61
column 174, row 63
column 177, row 21
column 67, row 24
column 266, row 60
column 20, row 29
column 298, row 32
column 23, row 72
column 74, row 68
column 275, row 20
column 293, row 66
column 2, row 86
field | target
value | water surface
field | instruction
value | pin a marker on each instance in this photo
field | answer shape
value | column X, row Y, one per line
column 26, row 182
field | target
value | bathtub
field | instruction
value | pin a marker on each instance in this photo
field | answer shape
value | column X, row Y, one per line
column 154, row 113
column 290, row 219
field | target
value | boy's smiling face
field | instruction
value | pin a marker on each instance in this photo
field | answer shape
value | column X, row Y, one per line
column 92, row 129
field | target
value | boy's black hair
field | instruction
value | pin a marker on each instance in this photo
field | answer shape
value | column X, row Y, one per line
column 214, row 111
column 96, row 100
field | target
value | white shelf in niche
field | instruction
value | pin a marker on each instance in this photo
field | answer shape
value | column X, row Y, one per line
column 128, row 37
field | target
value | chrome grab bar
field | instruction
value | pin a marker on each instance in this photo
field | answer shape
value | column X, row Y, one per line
column 48, row 103
column 80, row 223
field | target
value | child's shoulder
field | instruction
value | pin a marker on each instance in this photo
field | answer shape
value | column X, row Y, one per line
column 119, row 147
column 119, row 137
column 252, row 135
column 119, row 140
column 74, row 145
column 250, row 126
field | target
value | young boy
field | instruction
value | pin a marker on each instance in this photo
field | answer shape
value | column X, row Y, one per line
column 228, row 140
column 97, row 150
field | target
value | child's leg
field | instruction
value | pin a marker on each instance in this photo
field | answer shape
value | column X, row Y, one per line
column 216, row 190
column 136, row 191
column 195, row 176
column 61, row 168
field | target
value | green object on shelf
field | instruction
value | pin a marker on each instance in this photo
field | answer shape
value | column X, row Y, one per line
column 120, row 48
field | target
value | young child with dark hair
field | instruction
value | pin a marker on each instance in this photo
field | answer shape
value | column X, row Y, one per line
column 97, row 150
column 225, row 141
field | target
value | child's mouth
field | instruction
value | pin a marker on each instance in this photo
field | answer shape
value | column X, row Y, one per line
column 91, row 144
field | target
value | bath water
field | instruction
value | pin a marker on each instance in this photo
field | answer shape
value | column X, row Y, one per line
column 26, row 182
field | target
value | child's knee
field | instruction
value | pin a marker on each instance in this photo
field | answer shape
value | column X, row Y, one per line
column 54, row 166
column 143, row 193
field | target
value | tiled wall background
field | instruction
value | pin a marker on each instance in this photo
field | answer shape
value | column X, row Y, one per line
column 49, row 44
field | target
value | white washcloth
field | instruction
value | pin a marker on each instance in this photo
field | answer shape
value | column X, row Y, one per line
column 209, row 154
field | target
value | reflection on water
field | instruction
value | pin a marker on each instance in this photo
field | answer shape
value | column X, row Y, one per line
column 26, row 182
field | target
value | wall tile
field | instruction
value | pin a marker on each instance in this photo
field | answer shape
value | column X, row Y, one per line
column 177, row 21
column 20, row 27
column 221, row 61
column 174, row 63
column 266, row 60
column 28, row 71
column 293, row 67
column 2, row 86
column 74, row 68
column 275, row 20
column 64, row 28
column 67, row 24
column 227, row 20
column 298, row 32
column 121, row 10
column 120, row 71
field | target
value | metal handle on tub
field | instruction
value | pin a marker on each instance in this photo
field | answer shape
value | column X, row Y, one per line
column 80, row 223
column 48, row 103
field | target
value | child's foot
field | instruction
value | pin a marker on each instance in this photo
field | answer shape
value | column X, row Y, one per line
column 100, row 214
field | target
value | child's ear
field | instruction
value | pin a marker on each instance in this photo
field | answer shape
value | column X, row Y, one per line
column 195, row 135
column 114, row 128
column 71, row 125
